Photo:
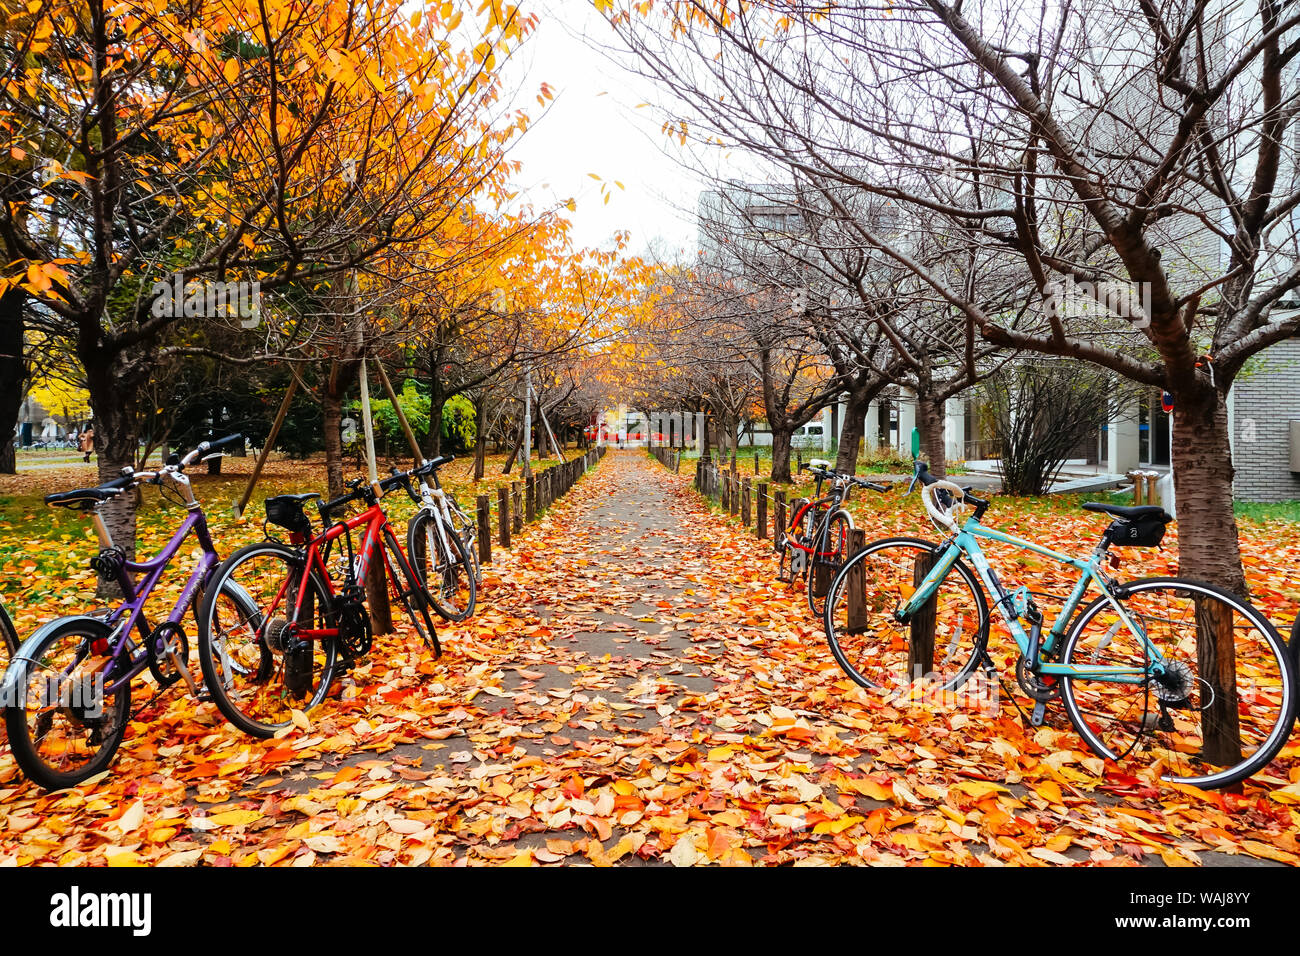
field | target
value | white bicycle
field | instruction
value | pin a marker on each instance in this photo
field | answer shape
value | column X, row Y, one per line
column 442, row 543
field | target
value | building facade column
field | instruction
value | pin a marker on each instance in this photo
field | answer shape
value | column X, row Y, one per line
column 1122, row 446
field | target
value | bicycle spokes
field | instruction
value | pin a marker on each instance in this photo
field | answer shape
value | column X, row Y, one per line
column 1187, row 718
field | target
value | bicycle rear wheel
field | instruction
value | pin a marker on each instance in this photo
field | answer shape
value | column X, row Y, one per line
column 257, row 671
column 874, row 648
column 62, row 726
column 1209, row 719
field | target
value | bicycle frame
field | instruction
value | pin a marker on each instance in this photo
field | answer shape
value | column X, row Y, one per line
column 437, row 503
column 375, row 522
column 966, row 542
column 828, row 506
column 129, row 615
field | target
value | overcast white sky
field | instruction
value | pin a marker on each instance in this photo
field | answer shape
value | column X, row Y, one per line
column 586, row 132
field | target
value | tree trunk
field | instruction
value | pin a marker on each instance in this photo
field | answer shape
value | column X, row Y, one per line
column 514, row 452
column 1208, row 547
column 114, row 397
column 433, row 440
column 852, row 428
column 480, row 438
column 781, row 453
column 332, row 412
column 930, row 414
column 13, row 373
column 706, row 446
column 437, row 399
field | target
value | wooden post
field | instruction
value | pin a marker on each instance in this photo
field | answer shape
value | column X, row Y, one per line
column 756, row 461
column 503, row 516
column 381, row 614
column 856, row 585
column 762, row 509
column 745, row 502
column 484, row 530
column 778, row 523
column 407, row 431
column 516, row 496
column 266, row 446
column 735, row 493
column 920, row 651
column 677, row 463
column 530, row 494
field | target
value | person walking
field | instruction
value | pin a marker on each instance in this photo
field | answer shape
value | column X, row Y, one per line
column 87, row 441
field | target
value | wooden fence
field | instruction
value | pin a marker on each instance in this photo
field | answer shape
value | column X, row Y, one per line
column 524, row 500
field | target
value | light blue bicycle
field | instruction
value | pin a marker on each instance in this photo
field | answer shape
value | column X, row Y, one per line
column 1173, row 674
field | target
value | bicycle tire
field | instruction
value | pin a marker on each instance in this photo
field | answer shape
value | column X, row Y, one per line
column 834, row 537
column 35, row 664
column 1294, row 646
column 9, row 636
column 966, row 630
column 415, row 596
column 260, row 667
column 1266, row 701
column 417, row 547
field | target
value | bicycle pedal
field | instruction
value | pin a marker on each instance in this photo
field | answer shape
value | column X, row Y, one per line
column 1039, row 714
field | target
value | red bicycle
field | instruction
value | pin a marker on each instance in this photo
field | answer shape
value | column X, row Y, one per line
column 277, row 648
column 815, row 544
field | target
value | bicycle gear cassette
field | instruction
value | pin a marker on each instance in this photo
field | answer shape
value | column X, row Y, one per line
column 1179, row 688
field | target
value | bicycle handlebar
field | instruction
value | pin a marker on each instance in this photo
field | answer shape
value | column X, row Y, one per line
column 830, row 474
column 207, row 447
column 946, row 499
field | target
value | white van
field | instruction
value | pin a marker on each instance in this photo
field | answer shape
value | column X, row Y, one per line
column 808, row 436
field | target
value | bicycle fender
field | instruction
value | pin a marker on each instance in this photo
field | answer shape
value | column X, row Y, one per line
column 16, row 673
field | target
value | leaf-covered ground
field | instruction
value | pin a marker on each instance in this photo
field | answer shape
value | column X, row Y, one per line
column 636, row 688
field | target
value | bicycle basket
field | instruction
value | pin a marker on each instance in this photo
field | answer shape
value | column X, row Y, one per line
column 287, row 512
column 1145, row 532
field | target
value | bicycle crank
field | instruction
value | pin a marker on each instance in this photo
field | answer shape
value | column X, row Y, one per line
column 1037, row 687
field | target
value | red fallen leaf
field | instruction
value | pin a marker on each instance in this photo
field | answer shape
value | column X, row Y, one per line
column 345, row 774
column 573, row 787
column 278, row 755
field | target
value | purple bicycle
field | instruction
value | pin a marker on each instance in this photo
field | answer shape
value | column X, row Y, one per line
column 67, row 691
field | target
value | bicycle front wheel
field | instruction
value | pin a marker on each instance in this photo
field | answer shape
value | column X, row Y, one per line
column 412, row 593
column 65, row 727
column 256, row 669
column 943, row 642
column 1218, row 704
column 8, row 638
column 449, row 573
